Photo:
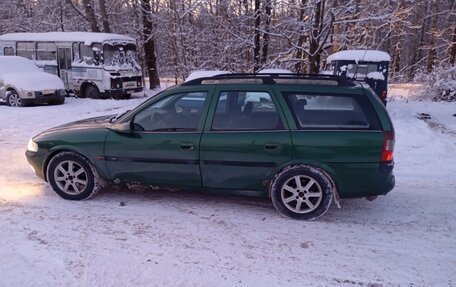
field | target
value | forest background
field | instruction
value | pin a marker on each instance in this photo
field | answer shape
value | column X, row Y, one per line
column 176, row 37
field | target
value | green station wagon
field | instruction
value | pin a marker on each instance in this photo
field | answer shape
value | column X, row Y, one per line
column 304, row 141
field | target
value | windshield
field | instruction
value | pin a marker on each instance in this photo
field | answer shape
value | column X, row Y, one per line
column 120, row 57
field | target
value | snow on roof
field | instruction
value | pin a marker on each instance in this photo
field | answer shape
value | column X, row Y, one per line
column 87, row 37
column 205, row 74
column 275, row 71
column 24, row 75
column 360, row 55
column 12, row 64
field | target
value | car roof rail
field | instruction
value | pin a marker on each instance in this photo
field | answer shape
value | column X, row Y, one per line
column 269, row 78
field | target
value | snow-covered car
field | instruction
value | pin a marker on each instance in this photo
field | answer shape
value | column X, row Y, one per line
column 23, row 83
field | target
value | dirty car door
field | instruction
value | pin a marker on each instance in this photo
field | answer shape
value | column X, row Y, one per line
column 163, row 148
column 245, row 139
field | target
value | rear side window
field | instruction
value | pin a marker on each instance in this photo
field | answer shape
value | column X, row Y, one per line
column 244, row 111
column 327, row 111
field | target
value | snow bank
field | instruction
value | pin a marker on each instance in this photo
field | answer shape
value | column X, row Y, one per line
column 439, row 84
column 205, row 74
column 360, row 56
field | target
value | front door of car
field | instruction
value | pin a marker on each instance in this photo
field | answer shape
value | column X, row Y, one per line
column 246, row 137
column 163, row 147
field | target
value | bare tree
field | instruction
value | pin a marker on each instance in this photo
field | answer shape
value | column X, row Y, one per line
column 149, row 45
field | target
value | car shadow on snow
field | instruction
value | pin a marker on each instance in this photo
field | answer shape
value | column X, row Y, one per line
column 351, row 211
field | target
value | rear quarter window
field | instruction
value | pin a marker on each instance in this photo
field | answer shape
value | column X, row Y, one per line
column 332, row 111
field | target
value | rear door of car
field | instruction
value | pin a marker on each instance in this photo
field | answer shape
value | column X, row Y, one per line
column 164, row 146
column 245, row 138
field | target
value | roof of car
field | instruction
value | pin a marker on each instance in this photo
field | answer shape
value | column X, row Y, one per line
column 272, row 78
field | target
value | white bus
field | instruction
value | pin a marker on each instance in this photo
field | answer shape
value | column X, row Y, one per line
column 95, row 65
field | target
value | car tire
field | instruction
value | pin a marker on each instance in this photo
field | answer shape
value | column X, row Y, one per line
column 92, row 92
column 301, row 192
column 14, row 100
column 72, row 176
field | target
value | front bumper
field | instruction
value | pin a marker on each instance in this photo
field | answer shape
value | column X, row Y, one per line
column 120, row 92
column 40, row 97
column 36, row 161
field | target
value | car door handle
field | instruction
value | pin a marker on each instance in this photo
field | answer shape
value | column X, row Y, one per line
column 271, row 146
column 187, row 146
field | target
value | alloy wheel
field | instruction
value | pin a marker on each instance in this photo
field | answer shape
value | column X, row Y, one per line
column 14, row 100
column 301, row 194
column 70, row 177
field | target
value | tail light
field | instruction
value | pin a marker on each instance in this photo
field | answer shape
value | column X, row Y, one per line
column 388, row 146
column 383, row 95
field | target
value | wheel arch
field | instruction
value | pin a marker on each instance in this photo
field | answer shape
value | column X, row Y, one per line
column 85, row 84
column 59, row 150
column 324, row 168
column 93, row 179
column 10, row 89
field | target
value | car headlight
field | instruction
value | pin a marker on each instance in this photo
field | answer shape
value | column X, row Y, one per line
column 32, row 146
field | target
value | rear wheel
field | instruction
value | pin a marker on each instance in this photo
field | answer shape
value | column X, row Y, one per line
column 72, row 176
column 301, row 192
column 13, row 99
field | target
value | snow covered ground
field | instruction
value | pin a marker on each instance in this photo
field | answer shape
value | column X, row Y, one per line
column 125, row 238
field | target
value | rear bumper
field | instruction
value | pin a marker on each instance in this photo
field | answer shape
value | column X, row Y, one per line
column 356, row 180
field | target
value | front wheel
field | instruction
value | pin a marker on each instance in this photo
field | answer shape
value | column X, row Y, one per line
column 72, row 176
column 91, row 92
column 13, row 100
column 301, row 192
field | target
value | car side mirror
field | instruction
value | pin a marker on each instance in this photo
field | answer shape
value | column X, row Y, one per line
column 123, row 128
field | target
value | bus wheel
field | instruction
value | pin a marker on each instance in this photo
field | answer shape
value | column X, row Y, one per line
column 92, row 92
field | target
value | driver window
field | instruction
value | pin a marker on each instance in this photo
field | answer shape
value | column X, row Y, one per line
column 179, row 112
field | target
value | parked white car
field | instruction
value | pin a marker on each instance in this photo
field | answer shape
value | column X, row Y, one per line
column 23, row 83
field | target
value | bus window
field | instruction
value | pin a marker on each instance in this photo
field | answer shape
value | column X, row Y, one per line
column 97, row 53
column 76, row 54
column 45, row 51
column 86, row 54
column 8, row 51
column 26, row 49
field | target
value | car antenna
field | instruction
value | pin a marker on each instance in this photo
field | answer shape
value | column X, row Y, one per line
column 357, row 65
